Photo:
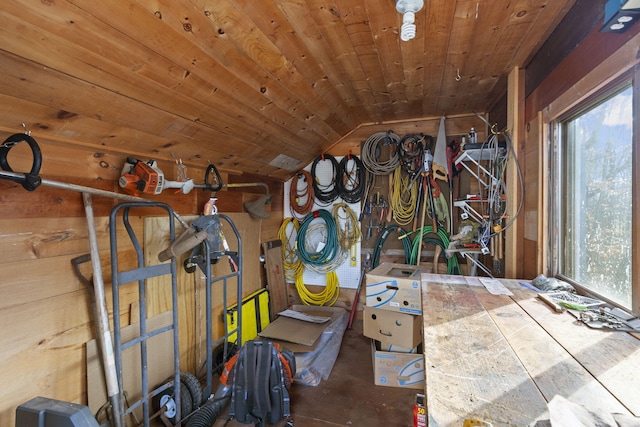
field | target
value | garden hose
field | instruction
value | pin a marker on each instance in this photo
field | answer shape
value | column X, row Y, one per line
column 377, row 250
column 453, row 266
column 327, row 254
column 328, row 295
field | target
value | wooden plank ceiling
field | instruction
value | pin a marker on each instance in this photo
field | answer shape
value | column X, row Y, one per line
column 259, row 87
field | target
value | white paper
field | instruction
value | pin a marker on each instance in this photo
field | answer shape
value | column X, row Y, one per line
column 304, row 316
column 495, row 287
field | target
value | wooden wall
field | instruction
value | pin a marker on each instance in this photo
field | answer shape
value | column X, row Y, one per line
column 569, row 54
column 455, row 126
column 45, row 311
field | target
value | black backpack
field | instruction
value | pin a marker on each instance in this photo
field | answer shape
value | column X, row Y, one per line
column 262, row 375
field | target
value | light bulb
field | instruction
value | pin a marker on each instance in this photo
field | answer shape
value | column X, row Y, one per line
column 408, row 30
column 408, row 9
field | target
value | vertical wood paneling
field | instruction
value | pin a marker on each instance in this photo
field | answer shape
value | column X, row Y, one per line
column 515, row 115
column 46, row 312
column 530, row 161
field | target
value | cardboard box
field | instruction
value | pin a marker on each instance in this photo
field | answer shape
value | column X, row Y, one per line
column 392, row 328
column 397, row 369
column 386, row 346
column 297, row 335
column 395, row 287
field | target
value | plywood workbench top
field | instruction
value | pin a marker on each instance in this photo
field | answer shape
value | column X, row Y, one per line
column 501, row 358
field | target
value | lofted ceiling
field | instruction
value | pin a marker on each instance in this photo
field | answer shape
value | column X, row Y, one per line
column 254, row 86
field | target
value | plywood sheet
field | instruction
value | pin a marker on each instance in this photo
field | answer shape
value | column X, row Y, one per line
column 191, row 299
column 274, row 265
column 610, row 357
column 552, row 368
column 471, row 370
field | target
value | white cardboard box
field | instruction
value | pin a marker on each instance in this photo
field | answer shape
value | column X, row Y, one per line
column 395, row 287
column 393, row 369
column 392, row 328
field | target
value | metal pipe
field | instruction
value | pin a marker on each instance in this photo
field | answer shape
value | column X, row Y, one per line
column 89, row 190
column 237, row 185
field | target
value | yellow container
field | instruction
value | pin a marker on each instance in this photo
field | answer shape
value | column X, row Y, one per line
column 255, row 316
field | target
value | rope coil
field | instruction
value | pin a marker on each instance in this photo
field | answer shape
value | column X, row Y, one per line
column 372, row 151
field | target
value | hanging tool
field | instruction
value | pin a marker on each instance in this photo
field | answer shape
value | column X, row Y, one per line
column 31, row 180
column 138, row 177
column 102, row 321
column 365, row 267
column 427, row 176
column 426, row 185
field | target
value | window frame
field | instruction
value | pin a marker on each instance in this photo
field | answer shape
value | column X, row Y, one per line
column 558, row 128
column 598, row 84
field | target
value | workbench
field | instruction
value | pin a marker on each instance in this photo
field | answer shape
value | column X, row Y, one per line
column 501, row 358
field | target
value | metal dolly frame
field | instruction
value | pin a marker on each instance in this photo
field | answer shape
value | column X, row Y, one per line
column 140, row 274
column 206, row 268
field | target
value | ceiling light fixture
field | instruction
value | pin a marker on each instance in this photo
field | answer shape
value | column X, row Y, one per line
column 408, row 9
column 619, row 15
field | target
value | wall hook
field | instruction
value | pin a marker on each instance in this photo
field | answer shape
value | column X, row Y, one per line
column 27, row 132
column 458, row 78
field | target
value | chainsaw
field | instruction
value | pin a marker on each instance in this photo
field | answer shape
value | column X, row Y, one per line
column 138, row 177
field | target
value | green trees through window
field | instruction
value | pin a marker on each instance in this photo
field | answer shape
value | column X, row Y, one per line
column 596, row 196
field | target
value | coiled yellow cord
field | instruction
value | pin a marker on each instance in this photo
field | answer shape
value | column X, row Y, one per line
column 328, row 296
column 348, row 229
column 403, row 199
column 292, row 265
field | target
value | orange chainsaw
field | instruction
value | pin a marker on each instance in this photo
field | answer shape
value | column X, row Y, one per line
column 139, row 177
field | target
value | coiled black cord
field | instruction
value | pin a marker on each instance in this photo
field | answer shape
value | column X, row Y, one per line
column 352, row 179
column 325, row 193
column 410, row 152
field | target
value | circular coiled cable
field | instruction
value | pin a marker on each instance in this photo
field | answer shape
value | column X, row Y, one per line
column 410, row 152
column 328, row 295
column 348, row 234
column 372, row 151
column 325, row 193
column 301, row 198
column 404, row 198
column 327, row 254
column 352, row 179
column 288, row 234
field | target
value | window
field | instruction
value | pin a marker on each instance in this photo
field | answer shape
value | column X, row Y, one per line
column 594, row 199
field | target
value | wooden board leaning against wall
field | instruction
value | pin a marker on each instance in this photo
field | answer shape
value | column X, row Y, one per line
column 45, row 311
